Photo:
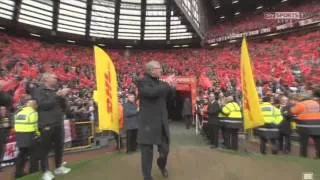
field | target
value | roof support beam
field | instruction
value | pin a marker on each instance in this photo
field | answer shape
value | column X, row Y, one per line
column 116, row 20
column 143, row 17
column 16, row 11
column 169, row 6
column 88, row 18
column 56, row 5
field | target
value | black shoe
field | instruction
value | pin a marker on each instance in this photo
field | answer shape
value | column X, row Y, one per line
column 213, row 147
column 164, row 173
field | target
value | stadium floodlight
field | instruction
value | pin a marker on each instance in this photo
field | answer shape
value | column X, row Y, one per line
column 176, row 46
column 186, row 45
column 217, row 7
column 36, row 35
column 284, row 0
column 259, row 7
column 222, row 17
column 235, row 1
column 102, row 45
column 214, row 44
column 71, row 41
column 2, row 27
column 237, row 13
column 129, row 46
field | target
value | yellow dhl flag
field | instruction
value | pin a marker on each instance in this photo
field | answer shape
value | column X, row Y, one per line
column 107, row 91
column 252, row 114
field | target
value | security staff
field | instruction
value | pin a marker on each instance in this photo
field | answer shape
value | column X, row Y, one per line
column 27, row 134
column 308, row 120
column 270, row 130
column 232, row 122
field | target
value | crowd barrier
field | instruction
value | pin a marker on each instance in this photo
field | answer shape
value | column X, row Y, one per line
column 79, row 135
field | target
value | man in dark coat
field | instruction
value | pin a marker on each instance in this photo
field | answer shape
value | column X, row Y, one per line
column 5, row 104
column 213, row 120
column 285, row 126
column 153, row 117
column 130, row 114
column 187, row 112
column 51, row 109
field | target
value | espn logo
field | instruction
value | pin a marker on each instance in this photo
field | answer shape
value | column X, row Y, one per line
column 282, row 15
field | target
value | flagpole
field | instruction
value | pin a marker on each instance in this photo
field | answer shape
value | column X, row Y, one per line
column 119, row 145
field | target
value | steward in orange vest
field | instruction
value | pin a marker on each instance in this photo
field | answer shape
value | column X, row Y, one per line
column 308, row 124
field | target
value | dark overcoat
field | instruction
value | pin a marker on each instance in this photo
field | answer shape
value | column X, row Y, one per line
column 213, row 113
column 130, row 116
column 153, row 116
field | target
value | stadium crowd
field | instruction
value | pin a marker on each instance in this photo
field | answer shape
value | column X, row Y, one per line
column 261, row 20
column 284, row 68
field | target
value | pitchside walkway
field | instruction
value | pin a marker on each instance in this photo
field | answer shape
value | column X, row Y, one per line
column 190, row 158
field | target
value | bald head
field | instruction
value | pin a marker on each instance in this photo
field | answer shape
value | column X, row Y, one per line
column 153, row 68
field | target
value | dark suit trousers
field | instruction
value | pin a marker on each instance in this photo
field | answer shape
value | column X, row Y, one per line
column 214, row 134
column 132, row 140
column 3, row 137
column 263, row 144
column 285, row 142
column 51, row 137
column 147, row 157
column 231, row 138
column 188, row 120
column 304, row 145
column 21, row 160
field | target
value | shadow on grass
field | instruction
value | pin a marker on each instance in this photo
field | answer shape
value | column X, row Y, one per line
column 78, row 166
column 308, row 164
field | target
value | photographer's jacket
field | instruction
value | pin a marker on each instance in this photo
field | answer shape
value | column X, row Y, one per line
column 51, row 107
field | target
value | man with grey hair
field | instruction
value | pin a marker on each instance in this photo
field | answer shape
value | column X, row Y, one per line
column 153, row 127
column 51, row 108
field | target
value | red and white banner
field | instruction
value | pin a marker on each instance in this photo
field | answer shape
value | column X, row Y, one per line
column 11, row 151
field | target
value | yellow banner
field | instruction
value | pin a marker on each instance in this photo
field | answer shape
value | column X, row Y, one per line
column 107, row 91
column 252, row 114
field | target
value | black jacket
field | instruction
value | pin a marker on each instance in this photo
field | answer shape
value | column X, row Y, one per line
column 153, row 116
column 285, row 126
column 5, row 99
column 213, row 112
column 51, row 107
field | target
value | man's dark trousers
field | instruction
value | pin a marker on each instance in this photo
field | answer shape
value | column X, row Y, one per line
column 304, row 140
column 214, row 134
column 132, row 140
column 188, row 121
column 21, row 160
column 147, row 157
column 3, row 137
column 52, row 136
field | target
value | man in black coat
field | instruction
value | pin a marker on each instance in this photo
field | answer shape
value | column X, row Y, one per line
column 51, row 109
column 285, row 126
column 187, row 112
column 153, row 117
column 5, row 104
column 213, row 120
column 130, row 117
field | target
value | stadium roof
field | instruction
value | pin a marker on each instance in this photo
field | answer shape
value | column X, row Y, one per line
column 111, row 22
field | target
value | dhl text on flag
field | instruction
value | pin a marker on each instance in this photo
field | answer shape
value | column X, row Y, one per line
column 107, row 91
